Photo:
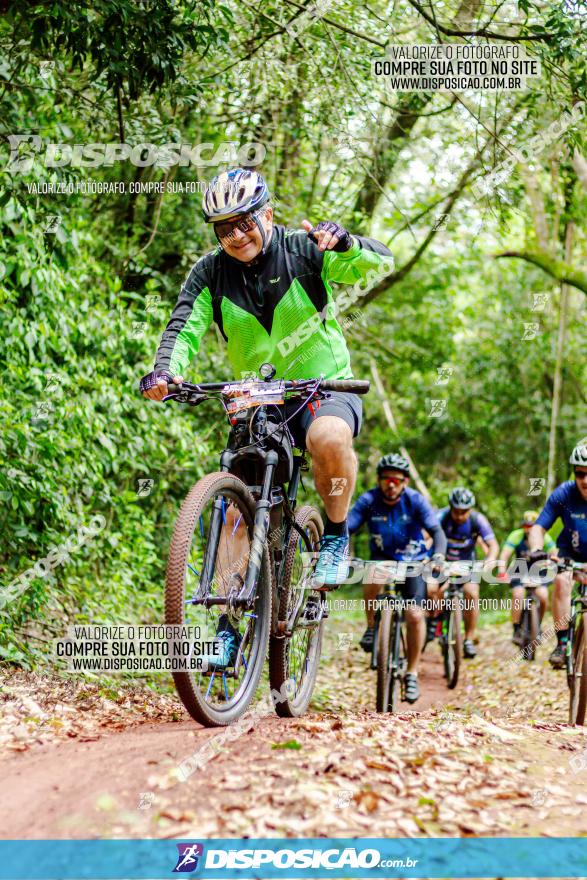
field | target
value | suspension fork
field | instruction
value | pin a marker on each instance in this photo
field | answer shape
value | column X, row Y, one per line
column 260, row 531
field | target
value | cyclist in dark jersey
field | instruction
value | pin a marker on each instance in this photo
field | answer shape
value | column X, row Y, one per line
column 516, row 546
column 396, row 517
column 465, row 528
column 268, row 289
column 568, row 503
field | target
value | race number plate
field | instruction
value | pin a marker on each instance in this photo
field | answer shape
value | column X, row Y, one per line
column 248, row 394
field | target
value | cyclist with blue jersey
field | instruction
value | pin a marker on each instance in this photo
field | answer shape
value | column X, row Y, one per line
column 465, row 529
column 568, row 503
column 269, row 291
column 397, row 517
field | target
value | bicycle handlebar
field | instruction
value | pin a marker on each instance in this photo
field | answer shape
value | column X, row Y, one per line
column 353, row 386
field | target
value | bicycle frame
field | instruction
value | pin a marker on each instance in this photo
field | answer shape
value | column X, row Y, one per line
column 259, row 452
column 263, row 506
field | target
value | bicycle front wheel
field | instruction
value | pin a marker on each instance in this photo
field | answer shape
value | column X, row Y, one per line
column 452, row 645
column 384, row 659
column 530, row 630
column 294, row 650
column 578, row 679
column 208, row 560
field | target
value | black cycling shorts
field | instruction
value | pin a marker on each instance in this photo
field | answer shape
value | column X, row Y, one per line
column 348, row 407
column 414, row 588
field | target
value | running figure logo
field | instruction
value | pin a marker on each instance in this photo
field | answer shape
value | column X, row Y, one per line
column 188, row 858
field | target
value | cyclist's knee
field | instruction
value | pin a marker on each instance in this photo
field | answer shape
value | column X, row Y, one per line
column 471, row 590
column 329, row 435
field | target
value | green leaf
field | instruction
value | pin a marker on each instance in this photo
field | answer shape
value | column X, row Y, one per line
column 289, row 744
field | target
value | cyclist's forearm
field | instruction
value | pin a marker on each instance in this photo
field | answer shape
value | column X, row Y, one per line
column 492, row 550
column 505, row 555
column 439, row 542
column 536, row 537
column 181, row 338
column 366, row 258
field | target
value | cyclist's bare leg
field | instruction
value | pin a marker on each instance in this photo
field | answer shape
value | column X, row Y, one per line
column 416, row 633
column 436, row 593
column 561, row 599
column 330, row 443
column 542, row 596
column 471, row 612
column 517, row 604
column 370, row 592
column 233, row 550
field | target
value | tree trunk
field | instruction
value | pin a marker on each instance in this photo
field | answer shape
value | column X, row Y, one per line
column 414, row 474
column 558, row 368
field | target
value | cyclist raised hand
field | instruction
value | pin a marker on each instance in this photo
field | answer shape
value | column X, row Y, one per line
column 465, row 528
column 268, row 289
column 568, row 503
column 396, row 517
column 516, row 545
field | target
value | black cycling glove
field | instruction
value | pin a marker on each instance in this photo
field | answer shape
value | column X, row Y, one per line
column 345, row 239
column 150, row 380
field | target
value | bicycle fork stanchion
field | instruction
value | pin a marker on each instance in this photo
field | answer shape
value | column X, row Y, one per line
column 262, row 509
column 210, row 557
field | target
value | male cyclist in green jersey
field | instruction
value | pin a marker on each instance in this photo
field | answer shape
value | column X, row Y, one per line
column 268, row 289
column 516, row 545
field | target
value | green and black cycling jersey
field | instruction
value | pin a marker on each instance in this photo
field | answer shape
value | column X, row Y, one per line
column 280, row 309
column 517, row 542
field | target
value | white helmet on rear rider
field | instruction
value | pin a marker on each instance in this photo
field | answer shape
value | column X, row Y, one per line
column 579, row 456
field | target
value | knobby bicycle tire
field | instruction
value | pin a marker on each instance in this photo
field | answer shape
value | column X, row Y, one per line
column 175, row 596
column 280, row 648
column 578, row 679
column 384, row 657
column 452, row 648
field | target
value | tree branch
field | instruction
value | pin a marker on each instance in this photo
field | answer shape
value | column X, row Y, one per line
column 557, row 269
column 481, row 32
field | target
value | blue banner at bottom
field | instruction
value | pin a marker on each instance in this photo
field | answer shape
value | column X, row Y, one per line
column 228, row 859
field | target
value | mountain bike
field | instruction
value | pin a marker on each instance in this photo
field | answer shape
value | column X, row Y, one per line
column 576, row 656
column 389, row 653
column 240, row 562
column 451, row 626
column 530, row 619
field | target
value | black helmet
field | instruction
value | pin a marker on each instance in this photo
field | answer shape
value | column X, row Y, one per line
column 393, row 462
column 462, row 498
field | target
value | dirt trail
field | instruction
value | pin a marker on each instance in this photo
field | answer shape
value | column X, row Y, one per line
column 490, row 758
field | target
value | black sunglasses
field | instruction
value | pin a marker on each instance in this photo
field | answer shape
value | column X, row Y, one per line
column 227, row 228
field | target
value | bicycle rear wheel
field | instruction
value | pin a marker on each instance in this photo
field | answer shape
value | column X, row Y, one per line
column 219, row 696
column 294, row 654
column 578, row 678
column 452, row 645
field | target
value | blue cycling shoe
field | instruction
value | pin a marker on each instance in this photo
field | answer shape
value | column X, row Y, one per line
column 229, row 640
column 332, row 568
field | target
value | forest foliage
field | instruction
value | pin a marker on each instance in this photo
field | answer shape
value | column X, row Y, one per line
column 470, row 316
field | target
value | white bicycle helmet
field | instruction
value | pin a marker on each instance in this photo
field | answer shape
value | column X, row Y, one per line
column 579, row 456
column 232, row 193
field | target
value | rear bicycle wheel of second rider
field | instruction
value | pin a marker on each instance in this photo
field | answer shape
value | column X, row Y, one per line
column 220, row 695
column 578, row 681
column 294, row 654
